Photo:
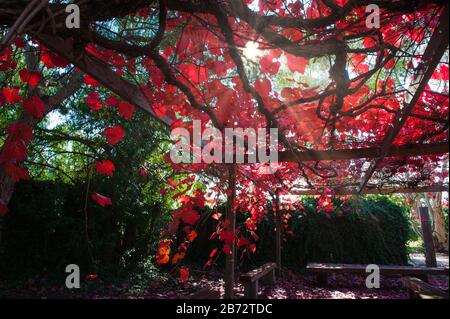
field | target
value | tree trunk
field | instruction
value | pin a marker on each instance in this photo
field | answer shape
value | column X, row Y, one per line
column 278, row 229
column 231, row 218
column 414, row 216
column 440, row 236
column 430, row 254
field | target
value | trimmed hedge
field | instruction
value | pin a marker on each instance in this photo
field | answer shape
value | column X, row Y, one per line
column 363, row 230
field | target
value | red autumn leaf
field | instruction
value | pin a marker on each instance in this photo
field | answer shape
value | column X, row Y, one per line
column 359, row 63
column 19, row 42
column 20, row 131
column 163, row 255
column 93, row 101
column 213, row 252
column 389, row 64
column 177, row 257
column 90, row 81
column 227, row 236
column 126, row 110
column 11, row 95
column 219, row 68
column 14, row 150
column 101, row 200
column 441, row 74
column 190, row 217
column 51, row 60
column 162, row 259
column 251, row 248
column 184, row 274
column 226, row 249
column 369, row 42
column 143, row 172
column 243, row 242
column 191, row 236
column 105, row 167
column 32, row 78
column 16, row 172
column 34, row 106
column 263, row 86
column 295, row 63
column 268, row 66
column 390, row 83
column 3, row 208
column 114, row 134
column 172, row 183
column 250, row 224
column 111, row 101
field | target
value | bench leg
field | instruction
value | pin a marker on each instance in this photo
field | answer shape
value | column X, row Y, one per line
column 322, row 279
column 251, row 290
column 412, row 294
column 423, row 277
column 270, row 278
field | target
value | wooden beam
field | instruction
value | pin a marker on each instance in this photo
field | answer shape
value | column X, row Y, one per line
column 374, row 191
column 431, row 58
column 411, row 150
column 278, row 234
column 231, row 219
column 101, row 72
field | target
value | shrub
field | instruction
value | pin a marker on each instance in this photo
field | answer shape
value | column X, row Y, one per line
column 362, row 230
column 45, row 230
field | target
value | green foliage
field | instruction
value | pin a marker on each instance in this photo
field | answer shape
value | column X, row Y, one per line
column 53, row 221
column 44, row 233
column 44, row 230
column 362, row 230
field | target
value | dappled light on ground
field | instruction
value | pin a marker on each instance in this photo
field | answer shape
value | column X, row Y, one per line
column 291, row 287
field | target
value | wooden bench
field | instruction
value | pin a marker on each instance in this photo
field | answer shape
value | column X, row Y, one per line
column 250, row 280
column 206, row 293
column 418, row 289
column 323, row 270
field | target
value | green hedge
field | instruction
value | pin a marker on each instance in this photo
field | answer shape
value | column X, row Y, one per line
column 45, row 230
column 362, row 230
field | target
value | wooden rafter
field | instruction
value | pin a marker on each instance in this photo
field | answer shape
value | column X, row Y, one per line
column 376, row 191
column 369, row 153
column 432, row 56
column 101, row 73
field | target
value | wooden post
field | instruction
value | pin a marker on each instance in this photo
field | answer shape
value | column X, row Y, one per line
column 278, row 226
column 430, row 254
column 251, row 290
column 322, row 279
column 231, row 217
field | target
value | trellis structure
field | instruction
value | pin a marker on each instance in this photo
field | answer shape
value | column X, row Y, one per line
column 404, row 148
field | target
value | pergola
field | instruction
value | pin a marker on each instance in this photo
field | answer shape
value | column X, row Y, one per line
column 369, row 166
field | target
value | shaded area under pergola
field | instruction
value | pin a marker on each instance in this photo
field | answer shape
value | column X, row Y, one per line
column 373, row 181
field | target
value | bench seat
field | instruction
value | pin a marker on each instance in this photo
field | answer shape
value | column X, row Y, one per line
column 419, row 289
column 251, row 279
column 323, row 269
